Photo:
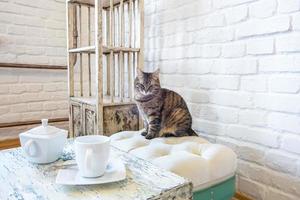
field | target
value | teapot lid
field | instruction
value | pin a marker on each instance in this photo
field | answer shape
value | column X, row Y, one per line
column 44, row 129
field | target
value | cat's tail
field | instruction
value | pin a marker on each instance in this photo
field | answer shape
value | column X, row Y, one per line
column 191, row 132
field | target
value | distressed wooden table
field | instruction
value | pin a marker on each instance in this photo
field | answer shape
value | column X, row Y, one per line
column 22, row 180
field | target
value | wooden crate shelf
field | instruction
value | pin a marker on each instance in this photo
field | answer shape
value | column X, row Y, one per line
column 106, row 3
column 105, row 49
column 111, row 107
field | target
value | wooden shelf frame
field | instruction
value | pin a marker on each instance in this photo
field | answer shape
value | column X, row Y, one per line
column 32, row 66
column 108, row 41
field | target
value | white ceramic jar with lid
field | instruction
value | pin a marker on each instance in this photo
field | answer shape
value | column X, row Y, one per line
column 43, row 144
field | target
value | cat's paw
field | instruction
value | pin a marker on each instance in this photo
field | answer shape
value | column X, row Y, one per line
column 144, row 133
column 149, row 136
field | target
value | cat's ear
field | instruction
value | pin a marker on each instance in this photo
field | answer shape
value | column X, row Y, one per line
column 156, row 72
column 139, row 72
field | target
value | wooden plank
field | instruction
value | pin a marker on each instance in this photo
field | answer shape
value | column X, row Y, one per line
column 88, row 49
column 98, row 63
column 106, row 3
column 108, row 43
column 111, row 56
column 80, row 44
column 106, row 50
column 141, row 52
column 241, row 196
column 130, row 82
column 11, row 143
column 32, row 66
column 89, row 55
column 71, row 59
column 130, row 22
column 24, row 123
column 122, row 33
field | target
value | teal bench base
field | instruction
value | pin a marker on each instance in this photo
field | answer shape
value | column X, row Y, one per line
column 222, row 191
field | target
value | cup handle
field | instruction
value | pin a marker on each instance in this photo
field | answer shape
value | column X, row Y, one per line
column 29, row 144
column 88, row 159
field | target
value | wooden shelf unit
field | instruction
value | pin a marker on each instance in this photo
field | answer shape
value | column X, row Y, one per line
column 116, row 50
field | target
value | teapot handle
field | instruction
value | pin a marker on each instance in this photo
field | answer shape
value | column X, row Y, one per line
column 28, row 145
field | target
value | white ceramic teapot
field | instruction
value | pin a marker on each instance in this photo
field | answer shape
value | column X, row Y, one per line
column 43, row 144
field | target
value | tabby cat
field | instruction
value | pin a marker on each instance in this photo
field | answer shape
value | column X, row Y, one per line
column 164, row 112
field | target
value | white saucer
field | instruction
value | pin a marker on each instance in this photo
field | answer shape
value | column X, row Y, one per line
column 115, row 172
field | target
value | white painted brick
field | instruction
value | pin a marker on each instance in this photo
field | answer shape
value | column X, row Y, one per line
column 17, row 89
column 213, row 82
column 282, row 162
column 234, row 66
column 288, row 43
column 169, row 66
column 278, row 102
column 208, row 127
column 253, row 189
column 296, row 22
column 221, row 114
column 36, row 115
column 253, row 117
column 195, row 96
column 33, row 88
column 233, row 50
column 172, row 53
column 236, row 14
column 204, row 82
column 254, row 83
column 263, row 8
column 4, row 100
column 214, row 35
column 255, row 135
column 227, row 3
column 284, row 83
column 284, row 122
column 260, row 46
column 19, row 108
column 291, row 143
column 203, row 51
column 214, row 20
column 4, row 110
column 8, row 76
column 231, row 98
column 35, row 106
column 227, row 82
column 279, row 63
column 172, row 80
column 286, row 6
column 254, row 171
column 194, row 8
column 282, row 181
column 251, row 152
column 279, row 195
column 260, row 27
column 195, row 66
column 50, row 106
column 4, row 89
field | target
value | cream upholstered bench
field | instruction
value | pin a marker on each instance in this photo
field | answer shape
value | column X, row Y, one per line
column 210, row 167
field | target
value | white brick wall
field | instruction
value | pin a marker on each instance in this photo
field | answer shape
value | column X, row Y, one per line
column 32, row 32
column 237, row 64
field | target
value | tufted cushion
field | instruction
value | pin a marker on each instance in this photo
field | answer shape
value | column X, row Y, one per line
column 194, row 158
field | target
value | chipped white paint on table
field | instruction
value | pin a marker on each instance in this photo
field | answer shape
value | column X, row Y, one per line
column 20, row 179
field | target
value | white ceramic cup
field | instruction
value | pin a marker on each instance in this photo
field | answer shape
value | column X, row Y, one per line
column 92, row 154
